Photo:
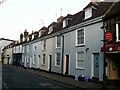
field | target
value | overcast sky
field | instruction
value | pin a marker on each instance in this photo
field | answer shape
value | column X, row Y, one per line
column 17, row 15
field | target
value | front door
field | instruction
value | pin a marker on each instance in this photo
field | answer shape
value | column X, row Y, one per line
column 67, row 64
column 50, row 62
column 96, row 65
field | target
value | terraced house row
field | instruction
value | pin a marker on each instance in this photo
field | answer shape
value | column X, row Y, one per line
column 73, row 45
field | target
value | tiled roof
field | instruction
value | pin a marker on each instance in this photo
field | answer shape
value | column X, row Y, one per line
column 101, row 8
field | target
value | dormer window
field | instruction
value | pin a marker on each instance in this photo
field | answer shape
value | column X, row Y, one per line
column 50, row 29
column 41, row 32
column 27, row 38
column 88, row 13
column 32, row 36
column 66, row 22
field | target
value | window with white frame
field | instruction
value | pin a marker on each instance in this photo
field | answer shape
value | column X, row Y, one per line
column 118, row 31
column 57, row 59
column 27, row 48
column 80, row 37
column 50, row 29
column 80, row 60
column 43, row 60
column 34, row 59
column 64, row 23
column 43, row 44
column 58, row 42
column 23, row 49
column 20, row 48
column 27, row 59
column 88, row 13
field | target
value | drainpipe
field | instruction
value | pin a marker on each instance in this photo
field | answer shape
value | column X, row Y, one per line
column 62, row 54
column 104, row 58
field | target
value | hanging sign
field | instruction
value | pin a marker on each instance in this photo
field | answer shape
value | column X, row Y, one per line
column 109, row 36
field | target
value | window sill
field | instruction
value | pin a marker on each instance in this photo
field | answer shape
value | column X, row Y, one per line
column 57, row 65
column 58, row 47
column 43, row 49
column 80, row 68
column 80, row 45
column 117, row 40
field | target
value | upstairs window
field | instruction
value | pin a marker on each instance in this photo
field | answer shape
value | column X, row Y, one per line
column 50, row 29
column 88, row 13
column 80, row 37
column 23, row 49
column 28, row 48
column 32, row 36
column 58, row 42
column 34, row 59
column 43, row 44
column 118, row 31
column 66, row 22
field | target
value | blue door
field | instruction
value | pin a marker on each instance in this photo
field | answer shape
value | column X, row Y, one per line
column 96, row 65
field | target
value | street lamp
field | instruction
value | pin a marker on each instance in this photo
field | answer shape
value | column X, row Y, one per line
column 104, row 60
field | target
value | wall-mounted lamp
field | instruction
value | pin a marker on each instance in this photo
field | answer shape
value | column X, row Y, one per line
column 87, row 49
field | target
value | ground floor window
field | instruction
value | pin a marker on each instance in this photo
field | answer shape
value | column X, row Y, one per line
column 80, row 60
column 57, row 59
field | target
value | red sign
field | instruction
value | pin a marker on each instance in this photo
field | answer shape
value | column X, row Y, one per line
column 109, row 36
column 111, row 48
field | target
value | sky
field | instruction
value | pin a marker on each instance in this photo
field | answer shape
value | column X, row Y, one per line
column 18, row 15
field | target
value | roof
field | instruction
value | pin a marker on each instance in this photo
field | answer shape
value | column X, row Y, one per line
column 6, row 39
column 113, row 11
column 101, row 8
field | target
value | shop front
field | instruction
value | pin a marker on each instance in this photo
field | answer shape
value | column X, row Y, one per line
column 113, row 61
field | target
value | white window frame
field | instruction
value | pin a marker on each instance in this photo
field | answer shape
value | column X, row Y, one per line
column 34, row 58
column 39, row 33
column 27, row 59
column 57, row 60
column 32, row 36
column 27, row 48
column 77, row 37
column 44, row 45
column 57, row 41
column 88, row 13
column 83, row 59
column 50, row 29
column 23, row 49
column 117, row 32
column 43, row 59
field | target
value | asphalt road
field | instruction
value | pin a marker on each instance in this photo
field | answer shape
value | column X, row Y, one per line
column 15, row 78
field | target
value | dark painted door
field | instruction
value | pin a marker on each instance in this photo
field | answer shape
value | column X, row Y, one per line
column 67, row 64
column 96, row 65
column 50, row 62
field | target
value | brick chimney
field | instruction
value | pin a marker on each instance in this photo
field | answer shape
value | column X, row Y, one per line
column 25, row 35
column 21, row 37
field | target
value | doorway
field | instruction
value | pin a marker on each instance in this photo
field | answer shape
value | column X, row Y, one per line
column 96, row 65
column 50, row 62
column 67, row 65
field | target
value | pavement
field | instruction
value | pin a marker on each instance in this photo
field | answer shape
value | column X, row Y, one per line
column 69, row 80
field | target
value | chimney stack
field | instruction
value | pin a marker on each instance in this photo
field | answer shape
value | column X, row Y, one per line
column 25, row 33
column 21, row 37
